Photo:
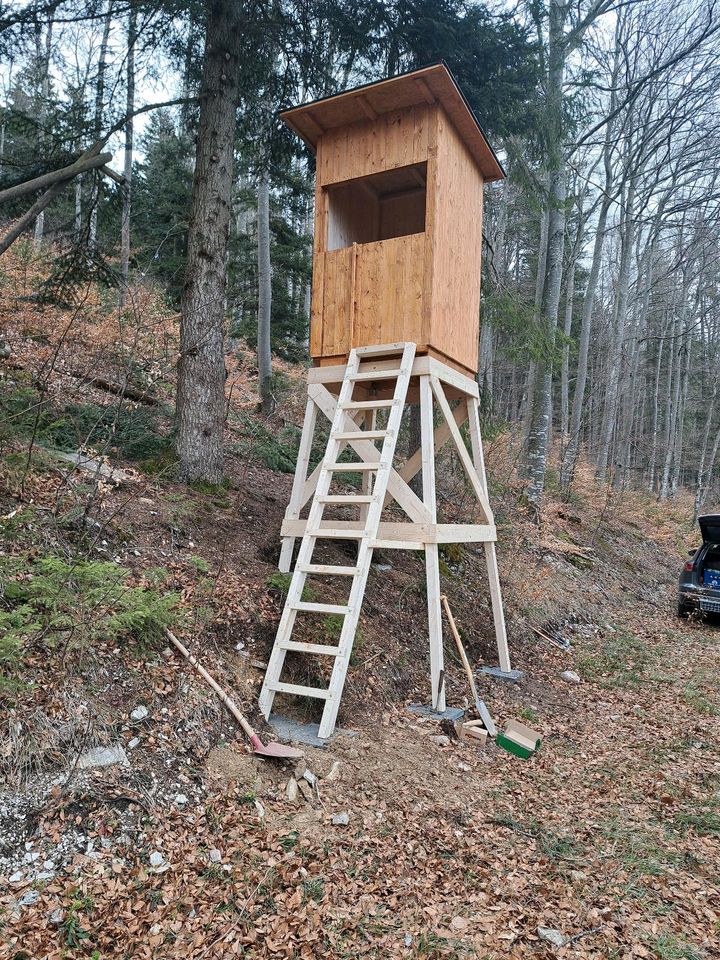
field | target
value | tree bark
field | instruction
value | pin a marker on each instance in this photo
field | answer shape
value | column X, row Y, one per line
column 127, row 164
column 200, row 406
column 264, row 355
column 701, row 474
column 539, row 287
column 617, row 341
column 90, row 160
column 565, row 371
column 539, row 437
column 43, row 111
column 97, row 126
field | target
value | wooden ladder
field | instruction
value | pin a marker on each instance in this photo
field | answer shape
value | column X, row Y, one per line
column 344, row 428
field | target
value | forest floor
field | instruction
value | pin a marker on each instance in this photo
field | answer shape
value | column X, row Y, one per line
column 605, row 844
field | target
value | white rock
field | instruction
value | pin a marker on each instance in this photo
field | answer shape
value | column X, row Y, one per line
column 16, row 877
column 103, row 757
column 215, row 856
column 134, row 743
column 341, row 819
column 57, row 916
column 156, row 859
column 291, row 790
column 569, row 676
column 28, row 898
column 408, row 941
column 441, row 740
column 139, row 713
column 334, row 773
column 181, row 799
column 555, row 937
column 310, row 777
column 50, row 864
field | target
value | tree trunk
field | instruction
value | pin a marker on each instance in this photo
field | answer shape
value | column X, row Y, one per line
column 617, row 341
column 672, row 404
column 707, row 474
column 78, row 206
column 127, row 164
column 44, row 61
column 539, row 437
column 567, row 466
column 264, row 354
column 539, row 287
column 97, row 127
column 652, row 468
column 565, row 371
column 200, row 407
column 701, row 474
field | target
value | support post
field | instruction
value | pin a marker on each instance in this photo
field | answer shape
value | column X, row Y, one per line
column 303, row 462
column 432, row 558
column 489, row 547
column 420, row 529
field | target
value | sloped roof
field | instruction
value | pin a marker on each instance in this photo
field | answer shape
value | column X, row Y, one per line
column 434, row 84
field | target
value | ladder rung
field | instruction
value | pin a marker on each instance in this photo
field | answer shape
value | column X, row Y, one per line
column 368, row 404
column 377, row 374
column 300, row 647
column 383, row 348
column 299, row 691
column 361, row 435
column 328, row 569
column 320, row 607
column 345, row 498
column 333, row 533
column 352, row 467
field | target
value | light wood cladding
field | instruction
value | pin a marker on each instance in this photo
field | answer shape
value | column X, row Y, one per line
column 457, row 249
column 398, row 231
column 389, row 291
column 397, row 139
column 338, row 276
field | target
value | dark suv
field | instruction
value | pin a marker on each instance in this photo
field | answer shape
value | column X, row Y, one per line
column 699, row 586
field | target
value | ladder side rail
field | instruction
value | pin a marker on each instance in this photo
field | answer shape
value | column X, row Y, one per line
column 287, row 619
column 365, row 550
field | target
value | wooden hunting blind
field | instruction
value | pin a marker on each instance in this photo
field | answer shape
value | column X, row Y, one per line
column 395, row 320
column 398, row 217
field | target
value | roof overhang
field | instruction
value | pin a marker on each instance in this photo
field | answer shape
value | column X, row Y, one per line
column 434, row 84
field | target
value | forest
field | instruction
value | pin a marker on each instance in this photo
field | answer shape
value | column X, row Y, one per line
column 158, row 280
column 599, row 327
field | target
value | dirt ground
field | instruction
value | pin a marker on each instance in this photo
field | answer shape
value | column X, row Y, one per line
column 605, row 842
column 397, row 844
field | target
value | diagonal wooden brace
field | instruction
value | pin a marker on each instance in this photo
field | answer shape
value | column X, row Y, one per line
column 462, row 450
column 367, row 451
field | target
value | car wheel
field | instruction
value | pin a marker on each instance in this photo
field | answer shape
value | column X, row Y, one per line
column 683, row 610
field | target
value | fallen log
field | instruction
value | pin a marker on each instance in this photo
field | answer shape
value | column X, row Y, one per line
column 119, row 390
column 81, row 165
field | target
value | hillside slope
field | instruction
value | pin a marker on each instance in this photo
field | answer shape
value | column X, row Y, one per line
column 188, row 846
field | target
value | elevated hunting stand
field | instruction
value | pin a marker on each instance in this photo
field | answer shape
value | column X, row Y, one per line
column 395, row 322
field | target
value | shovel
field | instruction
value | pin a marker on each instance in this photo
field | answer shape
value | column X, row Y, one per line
column 482, row 710
column 264, row 750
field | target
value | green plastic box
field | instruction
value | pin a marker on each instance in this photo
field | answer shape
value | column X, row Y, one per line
column 519, row 740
